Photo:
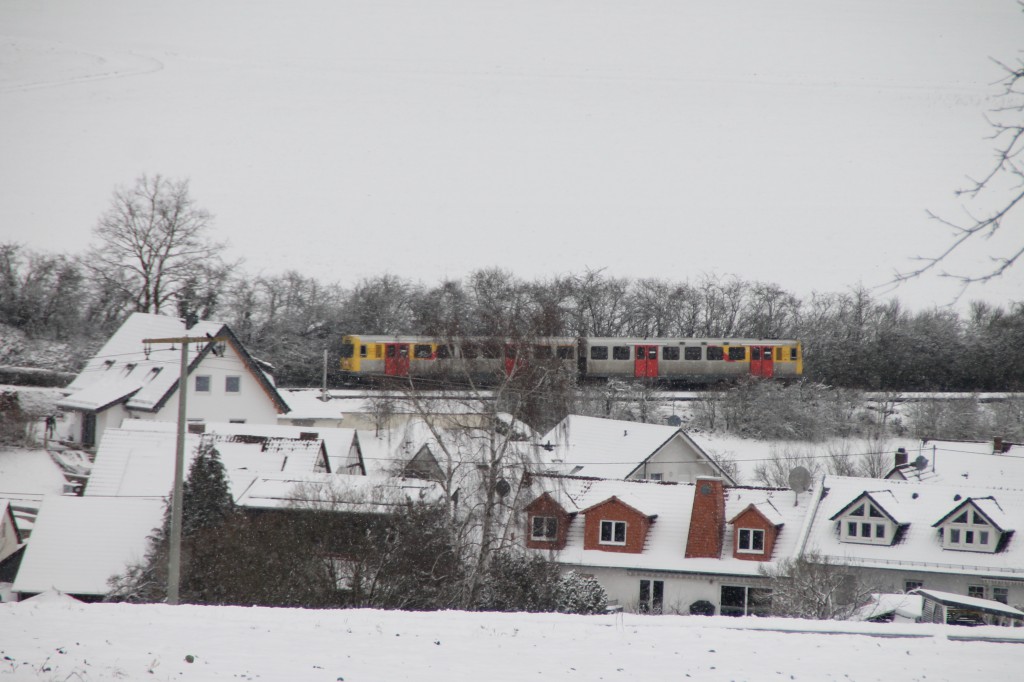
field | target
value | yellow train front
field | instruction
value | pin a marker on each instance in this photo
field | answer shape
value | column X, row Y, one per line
column 672, row 360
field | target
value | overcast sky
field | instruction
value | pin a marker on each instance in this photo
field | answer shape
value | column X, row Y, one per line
column 796, row 142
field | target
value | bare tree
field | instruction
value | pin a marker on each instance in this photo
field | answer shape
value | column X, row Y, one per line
column 813, row 586
column 151, row 244
column 1006, row 174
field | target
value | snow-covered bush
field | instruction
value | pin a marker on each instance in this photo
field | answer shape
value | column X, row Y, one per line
column 578, row 593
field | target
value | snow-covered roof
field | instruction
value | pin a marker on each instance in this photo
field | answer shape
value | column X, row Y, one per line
column 908, row 606
column 988, row 506
column 126, row 370
column 672, row 503
column 135, row 462
column 79, row 542
column 970, row 462
column 606, row 448
column 766, row 509
column 342, row 493
column 884, row 501
column 919, row 548
column 956, row 600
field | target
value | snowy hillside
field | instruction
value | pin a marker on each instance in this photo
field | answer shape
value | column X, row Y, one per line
column 51, row 639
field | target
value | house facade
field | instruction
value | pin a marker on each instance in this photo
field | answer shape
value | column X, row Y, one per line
column 611, row 448
column 130, row 379
column 667, row 547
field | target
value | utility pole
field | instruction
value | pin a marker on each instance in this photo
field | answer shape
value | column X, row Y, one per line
column 174, row 562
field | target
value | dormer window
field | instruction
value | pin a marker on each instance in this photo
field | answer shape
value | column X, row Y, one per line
column 967, row 529
column 866, row 521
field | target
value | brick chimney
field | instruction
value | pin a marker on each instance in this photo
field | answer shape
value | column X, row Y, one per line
column 901, row 456
column 707, row 520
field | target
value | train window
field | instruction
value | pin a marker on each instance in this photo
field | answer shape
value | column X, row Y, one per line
column 403, row 351
column 362, row 350
column 566, row 352
column 715, row 353
column 691, row 353
column 543, row 352
column 738, row 353
column 792, row 353
column 347, row 349
column 390, row 351
column 670, row 353
column 620, row 353
column 755, row 353
column 422, row 350
column 492, row 351
column 599, row 352
column 470, row 351
column 444, row 352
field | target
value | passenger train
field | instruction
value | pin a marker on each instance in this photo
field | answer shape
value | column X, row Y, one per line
column 671, row 360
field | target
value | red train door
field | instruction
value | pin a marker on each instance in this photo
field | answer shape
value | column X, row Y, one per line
column 514, row 359
column 396, row 359
column 646, row 363
column 761, row 362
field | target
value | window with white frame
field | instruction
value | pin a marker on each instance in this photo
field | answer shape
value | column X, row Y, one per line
column 233, row 384
column 202, row 383
column 613, row 533
column 544, row 528
column 750, row 541
column 969, row 531
column 1001, row 594
column 976, row 591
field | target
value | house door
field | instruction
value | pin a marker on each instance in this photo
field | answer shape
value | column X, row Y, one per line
column 646, row 363
column 761, row 362
column 396, row 359
column 652, row 596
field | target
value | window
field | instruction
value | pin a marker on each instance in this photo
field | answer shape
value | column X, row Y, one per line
column 599, row 353
column 961, row 519
column 566, row 352
column 470, row 351
column 691, row 353
column 422, row 351
column 976, row 591
column 620, row 353
column 203, row 383
column 859, row 511
column 745, row 601
column 979, row 520
column 1001, row 594
column 654, row 477
column 613, row 532
column 954, row 536
column 865, row 530
column 750, row 541
column 347, row 349
column 912, row 585
column 983, row 537
column 715, row 353
column 874, row 512
column 670, row 353
column 543, row 352
column 792, row 353
column 444, row 352
column 544, row 528
column 652, row 596
column 879, row 530
column 737, row 353
column 851, row 529
column 362, row 350
column 232, row 384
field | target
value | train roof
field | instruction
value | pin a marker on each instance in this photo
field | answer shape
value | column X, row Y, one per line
column 637, row 340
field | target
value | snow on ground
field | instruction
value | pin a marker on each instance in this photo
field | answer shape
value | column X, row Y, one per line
column 53, row 639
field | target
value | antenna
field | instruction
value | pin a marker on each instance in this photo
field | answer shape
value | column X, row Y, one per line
column 799, row 482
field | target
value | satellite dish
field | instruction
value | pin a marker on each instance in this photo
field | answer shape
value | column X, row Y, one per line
column 799, row 479
column 920, row 463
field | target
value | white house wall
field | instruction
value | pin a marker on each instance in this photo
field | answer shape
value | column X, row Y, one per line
column 675, row 461
column 955, row 583
column 681, row 590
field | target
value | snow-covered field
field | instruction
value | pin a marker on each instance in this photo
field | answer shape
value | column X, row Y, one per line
column 52, row 639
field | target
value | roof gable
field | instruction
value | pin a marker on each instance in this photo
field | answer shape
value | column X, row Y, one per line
column 988, row 507
column 873, row 497
column 765, row 510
